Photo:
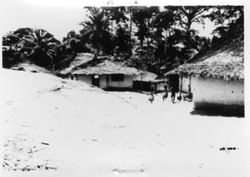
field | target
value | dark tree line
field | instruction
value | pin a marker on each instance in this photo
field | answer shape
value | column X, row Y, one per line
column 150, row 38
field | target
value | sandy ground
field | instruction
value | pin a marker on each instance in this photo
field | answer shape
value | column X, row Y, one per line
column 54, row 127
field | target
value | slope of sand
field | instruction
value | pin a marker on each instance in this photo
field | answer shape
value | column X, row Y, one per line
column 62, row 128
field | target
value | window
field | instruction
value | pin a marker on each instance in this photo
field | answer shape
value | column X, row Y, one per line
column 117, row 77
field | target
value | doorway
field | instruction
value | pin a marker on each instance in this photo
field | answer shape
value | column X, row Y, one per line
column 174, row 82
column 96, row 80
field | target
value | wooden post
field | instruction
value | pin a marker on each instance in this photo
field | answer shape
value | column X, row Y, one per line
column 181, row 85
column 189, row 88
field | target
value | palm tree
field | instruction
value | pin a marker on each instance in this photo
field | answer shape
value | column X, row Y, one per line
column 12, row 50
column 95, row 29
column 40, row 46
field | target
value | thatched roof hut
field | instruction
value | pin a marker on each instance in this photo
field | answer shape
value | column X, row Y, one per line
column 224, row 62
column 105, row 73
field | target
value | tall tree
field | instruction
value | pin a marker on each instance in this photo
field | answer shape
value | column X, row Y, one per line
column 96, row 30
column 75, row 42
column 11, row 41
column 118, row 26
column 187, row 15
column 142, row 16
column 122, row 40
column 116, row 13
column 229, row 21
column 190, row 14
column 40, row 47
column 163, row 23
column 35, row 45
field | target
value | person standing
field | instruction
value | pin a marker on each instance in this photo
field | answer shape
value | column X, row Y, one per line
column 151, row 97
column 172, row 90
column 165, row 95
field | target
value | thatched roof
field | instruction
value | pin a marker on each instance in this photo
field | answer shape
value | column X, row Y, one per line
column 146, row 76
column 30, row 68
column 224, row 62
column 81, row 58
column 101, row 67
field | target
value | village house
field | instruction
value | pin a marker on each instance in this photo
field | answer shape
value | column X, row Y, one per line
column 101, row 72
column 147, row 81
column 215, row 78
column 111, row 75
column 108, row 75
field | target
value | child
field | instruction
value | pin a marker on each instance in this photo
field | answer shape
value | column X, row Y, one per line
column 151, row 97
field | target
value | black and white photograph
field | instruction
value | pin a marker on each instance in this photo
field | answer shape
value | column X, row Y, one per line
column 123, row 89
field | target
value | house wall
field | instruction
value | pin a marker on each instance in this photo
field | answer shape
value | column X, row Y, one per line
column 126, row 83
column 217, row 91
column 148, row 86
column 103, row 82
column 185, row 82
column 106, row 82
column 85, row 78
column 142, row 85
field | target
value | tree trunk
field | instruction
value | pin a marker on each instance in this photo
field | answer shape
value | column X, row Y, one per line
column 165, row 47
column 130, row 29
column 166, row 42
column 188, row 30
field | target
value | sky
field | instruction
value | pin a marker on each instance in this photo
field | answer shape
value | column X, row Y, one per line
column 61, row 16
column 57, row 19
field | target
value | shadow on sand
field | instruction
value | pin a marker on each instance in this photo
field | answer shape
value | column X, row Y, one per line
column 224, row 111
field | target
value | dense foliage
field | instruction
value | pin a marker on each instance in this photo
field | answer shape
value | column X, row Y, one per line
column 33, row 45
column 150, row 38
